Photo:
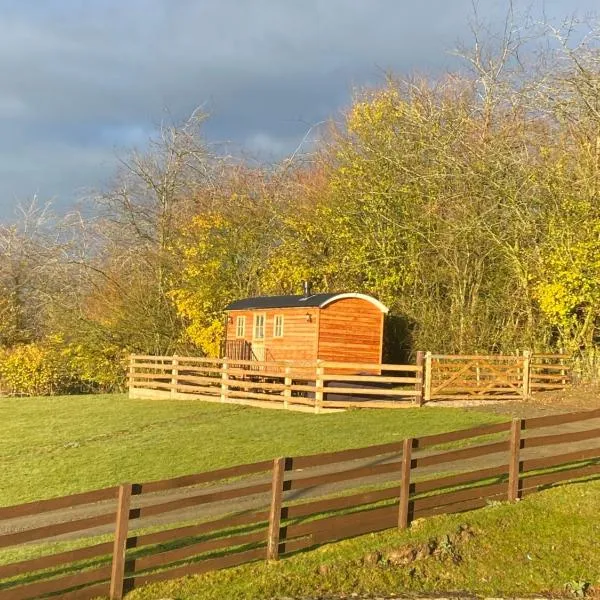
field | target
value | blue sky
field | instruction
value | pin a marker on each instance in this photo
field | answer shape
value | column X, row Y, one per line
column 82, row 82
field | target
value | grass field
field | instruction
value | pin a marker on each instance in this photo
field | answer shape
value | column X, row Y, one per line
column 60, row 445
column 545, row 544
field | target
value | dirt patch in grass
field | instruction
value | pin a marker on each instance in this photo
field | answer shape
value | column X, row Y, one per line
column 581, row 397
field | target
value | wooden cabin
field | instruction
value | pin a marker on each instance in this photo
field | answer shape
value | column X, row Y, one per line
column 334, row 327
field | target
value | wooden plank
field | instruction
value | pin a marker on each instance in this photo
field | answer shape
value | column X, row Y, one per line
column 559, row 459
column 48, row 586
column 339, row 503
column 51, row 504
column 457, row 507
column 200, row 499
column 194, row 389
column 54, row 560
column 319, row 387
column 326, row 458
column 477, row 391
column 453, row 480
column 164, row 558
column 548, row 386
column 121, row 530
column 152, row 376
column 370, row 378
column 47, row 531
column 535, row 481
column 224, row 381
column 403, row 512
column 174, row 373
column 463, row 453
column 300, row 401
column 453, row 377
column 275, row 509
column 287, row 387
column 453, row 497
column 526, row 383
column 199, row 379
column 408, row 392
column 483, row 357
column 549, row 421
column 237, row 383
column 358, row 526
column 536, row 377
column 420, row 380
column 428, row 372
column 305, row 364
column 346, row 475
column 88, row 593
column 238, row 394
column 370, row 366
column 461, row 434
column 229, row 522
column 210, row 564
column 375, row 519
column 263, row 399
column 295, row 545
column 382, row 404
column 548, row 367
column 206, row 477
column 561, row 438
column 514, row 458
column 490, row 397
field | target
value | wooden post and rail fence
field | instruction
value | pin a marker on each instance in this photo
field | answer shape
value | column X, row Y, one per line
column 327, row 385
column 119, row 538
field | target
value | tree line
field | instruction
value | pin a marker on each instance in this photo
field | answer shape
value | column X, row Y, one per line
column 468, row 203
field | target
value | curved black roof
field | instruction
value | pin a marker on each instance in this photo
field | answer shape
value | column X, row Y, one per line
column 315, row 300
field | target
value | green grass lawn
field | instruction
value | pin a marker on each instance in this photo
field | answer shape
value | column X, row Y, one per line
column 61, row 445
column 545, row 544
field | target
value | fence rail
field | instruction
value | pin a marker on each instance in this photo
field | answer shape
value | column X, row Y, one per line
column 328, row 385
column 317, row 386
column 269, row 509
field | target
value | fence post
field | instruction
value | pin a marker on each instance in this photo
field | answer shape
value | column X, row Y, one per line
column 526, row 374
column 130, row 383
column 174, row 375
column 514, row 459
column 224, row 380
column 403, row 512
column 419, row 387
column 117, row 574
column 287, row 392
column 427, row 390
column 319, row 387
column 275, row 512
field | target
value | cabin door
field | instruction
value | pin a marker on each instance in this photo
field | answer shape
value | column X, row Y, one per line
column 258, row 337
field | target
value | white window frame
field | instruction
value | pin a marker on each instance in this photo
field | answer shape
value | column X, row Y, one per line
column 259, row 329
column 240, row 327
column 278, row 326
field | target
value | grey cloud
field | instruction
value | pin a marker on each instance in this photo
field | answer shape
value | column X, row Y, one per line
column 79, row 79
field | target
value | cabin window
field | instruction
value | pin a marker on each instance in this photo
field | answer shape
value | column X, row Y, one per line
column 278, row 326
column 259, row 327
column 240, row 327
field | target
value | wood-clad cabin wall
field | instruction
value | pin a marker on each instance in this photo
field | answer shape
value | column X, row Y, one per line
column 299, row 341
column 351, row 330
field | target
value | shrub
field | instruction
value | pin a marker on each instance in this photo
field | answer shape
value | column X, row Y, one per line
column 52, row 366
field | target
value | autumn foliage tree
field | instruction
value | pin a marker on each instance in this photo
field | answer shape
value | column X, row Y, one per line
column 468, row 203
